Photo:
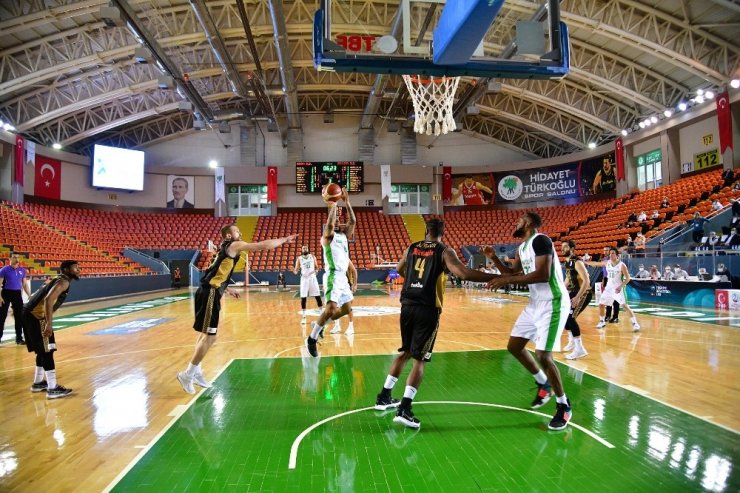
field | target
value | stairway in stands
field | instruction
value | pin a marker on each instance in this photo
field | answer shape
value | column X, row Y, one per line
column 415, row 226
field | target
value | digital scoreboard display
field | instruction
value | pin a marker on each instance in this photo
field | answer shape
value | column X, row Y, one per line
column 311, row 177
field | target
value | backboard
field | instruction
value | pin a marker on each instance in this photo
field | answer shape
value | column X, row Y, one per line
column 477, row 38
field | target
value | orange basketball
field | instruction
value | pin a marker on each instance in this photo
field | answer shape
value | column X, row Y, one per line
column 331, row 193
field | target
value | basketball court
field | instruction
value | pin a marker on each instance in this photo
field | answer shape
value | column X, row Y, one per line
column 654, row 409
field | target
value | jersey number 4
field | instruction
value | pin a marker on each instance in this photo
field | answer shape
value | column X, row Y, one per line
column 419, row 266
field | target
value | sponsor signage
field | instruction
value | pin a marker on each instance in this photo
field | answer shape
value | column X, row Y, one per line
column 727, row 299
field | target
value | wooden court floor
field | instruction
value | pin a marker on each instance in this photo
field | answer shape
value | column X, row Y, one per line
column 122, row 369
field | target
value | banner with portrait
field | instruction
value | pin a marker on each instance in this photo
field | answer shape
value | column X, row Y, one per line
column 180, row 192
column 566, row 181
column 471, row 189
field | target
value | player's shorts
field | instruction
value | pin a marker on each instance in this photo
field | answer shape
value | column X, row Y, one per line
column 32, row 331
column 542, row 322
column 585, row 300
column 309, row 286
column 337, row 288
column 609, row 296
column 419, row 324
column 207, row 309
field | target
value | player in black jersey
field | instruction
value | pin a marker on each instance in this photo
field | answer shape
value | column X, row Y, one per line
column 208, row 298
column 579, row 288
column 38, row 314
column 423, row 265
column 605, row 181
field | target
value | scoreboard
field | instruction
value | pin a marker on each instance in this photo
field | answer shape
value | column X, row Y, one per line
column 311, row 177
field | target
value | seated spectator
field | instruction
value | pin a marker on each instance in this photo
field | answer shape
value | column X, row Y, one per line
column 668, row 274
column 632, row 218
column 733, row 239
column 704, row 275
column 654, row 273
column 679, row 274
column 655, row 215
column 629, row 244
column 728, row 176
column 665, row 203
column 642, row 273
column 642, row 217
column 640, row 242
column 722, row 272
column 737, row 185
column 712, row 240
column 717, row 205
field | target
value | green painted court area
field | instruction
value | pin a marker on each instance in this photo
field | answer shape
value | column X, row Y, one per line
column 477, row 434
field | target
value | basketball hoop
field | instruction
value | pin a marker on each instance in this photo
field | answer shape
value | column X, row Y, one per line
column 433, row 99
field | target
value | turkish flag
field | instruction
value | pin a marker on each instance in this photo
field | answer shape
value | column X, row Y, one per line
column 48, row 178
column 272, row 184
column 724, row 121
column 20, row 159
column 446, row 183
column 619, row 156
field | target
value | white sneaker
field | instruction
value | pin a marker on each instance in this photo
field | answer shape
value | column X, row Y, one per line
column 336, row 329
column 601, row 324
column 578, row 353
column 186, row 381
column 570, row 346
column 635, row 327
column 350, row 330
column 200, row 380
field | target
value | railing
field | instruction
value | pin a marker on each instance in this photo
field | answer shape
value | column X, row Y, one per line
column 690, row 261
column 154, row 264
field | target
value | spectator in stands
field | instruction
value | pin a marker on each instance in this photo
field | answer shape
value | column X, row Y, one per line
column 716, row 205
column 722, row 272
column 629, row 244
column 728, row 176
column 655, row 215
column 654, row 272
column 642, row 217
column 704, row 275
column 665, row 203
column 698, row 226
column 179, row 190
column 737, row 185
column 642, row 273
column 733, row 239
column 631, row 220
column 38, row 325
column 712, row 240
column 15, row 282
column 640, row 242
column 668, row 273
column 679, row 274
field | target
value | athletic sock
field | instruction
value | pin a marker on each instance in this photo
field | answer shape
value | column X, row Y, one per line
column 390, row 381
column 633, row 320
column 315, row 329
column 38, row 375
column 540, row 377
column 51, row 379
column 563, row 399
column 192, row 370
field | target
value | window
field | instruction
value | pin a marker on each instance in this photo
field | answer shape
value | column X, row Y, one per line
column 649, row 172
column 410, row 199
column 248, row 200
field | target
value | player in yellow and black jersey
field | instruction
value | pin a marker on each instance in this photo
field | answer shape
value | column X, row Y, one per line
column 208, row 298
column 424, row 266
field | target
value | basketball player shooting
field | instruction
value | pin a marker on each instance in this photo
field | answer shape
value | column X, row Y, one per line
column 337, row 289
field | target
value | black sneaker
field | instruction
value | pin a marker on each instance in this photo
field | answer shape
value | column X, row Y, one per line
column 20, row 342
column 58, row 392
column 407, row 418
column 614, row 321
column 311, row 347
column 39, row 387
column 384, row 403
column 562, row 417
column 544, row 392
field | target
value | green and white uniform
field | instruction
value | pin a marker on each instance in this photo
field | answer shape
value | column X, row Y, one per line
column 543, row 320
column 336, row 262
column 614, row 279
column 309, row 283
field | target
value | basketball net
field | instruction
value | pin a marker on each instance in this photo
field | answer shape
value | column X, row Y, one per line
column 433, row 99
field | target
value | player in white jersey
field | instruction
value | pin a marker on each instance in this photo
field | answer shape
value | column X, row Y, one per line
column 543, row 320
column 306, row 266
column 617, row 278
column 337, row 288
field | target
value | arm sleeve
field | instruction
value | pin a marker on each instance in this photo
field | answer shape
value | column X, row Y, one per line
column 542, row 245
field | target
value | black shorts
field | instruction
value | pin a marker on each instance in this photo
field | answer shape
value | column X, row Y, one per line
column 35, row 341
column 419, row 324
column 207, row 308
column 585, row 300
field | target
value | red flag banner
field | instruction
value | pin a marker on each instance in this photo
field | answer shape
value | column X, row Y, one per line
column 48, row 178
column 272, row 184
column 20, row 160
column 446, row 182
column 724, row 121
column 619, row 157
